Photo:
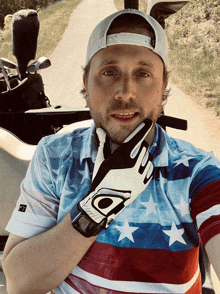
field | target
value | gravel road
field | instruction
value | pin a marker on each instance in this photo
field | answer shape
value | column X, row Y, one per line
column 63, row 82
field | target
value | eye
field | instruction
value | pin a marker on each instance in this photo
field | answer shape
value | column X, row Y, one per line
column 109, row 73
column 143, row 74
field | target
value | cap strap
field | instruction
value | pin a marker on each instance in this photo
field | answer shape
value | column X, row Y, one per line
column 129, row 38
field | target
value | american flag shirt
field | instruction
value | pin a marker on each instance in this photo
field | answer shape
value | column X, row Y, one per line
column 153, row 244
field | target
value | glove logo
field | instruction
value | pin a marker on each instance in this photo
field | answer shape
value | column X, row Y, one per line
column 108, row 201
column 104, row 203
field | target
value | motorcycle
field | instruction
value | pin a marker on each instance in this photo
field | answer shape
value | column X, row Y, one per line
column 26, row 114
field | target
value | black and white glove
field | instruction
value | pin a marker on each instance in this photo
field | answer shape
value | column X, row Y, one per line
column 119, row 180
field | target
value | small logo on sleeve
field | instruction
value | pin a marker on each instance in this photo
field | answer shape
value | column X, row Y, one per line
column 22, row 207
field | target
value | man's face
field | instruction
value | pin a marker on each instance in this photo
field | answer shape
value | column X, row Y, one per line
column 124, row 87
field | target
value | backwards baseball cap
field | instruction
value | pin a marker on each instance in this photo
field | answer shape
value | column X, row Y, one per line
column 100, row 40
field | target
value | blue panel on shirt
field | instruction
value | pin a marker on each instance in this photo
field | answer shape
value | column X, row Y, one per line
column 206, row 176
column 150, row 236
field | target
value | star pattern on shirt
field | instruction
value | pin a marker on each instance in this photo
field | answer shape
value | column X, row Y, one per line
column 126, row 231
column 162, row 181
column 175, row 234
column 150, row 205
column 85, row 174
column 183, row 160
column 183, row 207
column 68, row 193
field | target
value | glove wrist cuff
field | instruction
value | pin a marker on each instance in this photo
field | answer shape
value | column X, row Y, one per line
column 83, row 223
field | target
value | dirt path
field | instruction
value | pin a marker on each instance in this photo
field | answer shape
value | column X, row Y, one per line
column 203, row 126
column 63, row 81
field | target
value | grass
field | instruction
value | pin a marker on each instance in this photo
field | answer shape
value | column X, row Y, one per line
column 194, row 55
column 53, row 23
column 194, row 52
column 197, row 75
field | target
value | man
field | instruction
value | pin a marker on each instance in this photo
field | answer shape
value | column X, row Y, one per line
column 88, row 223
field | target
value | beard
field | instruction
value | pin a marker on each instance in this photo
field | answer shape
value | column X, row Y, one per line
column 119, row 134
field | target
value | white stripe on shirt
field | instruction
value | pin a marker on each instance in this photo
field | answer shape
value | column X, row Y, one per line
column 203, row 216
column 135, row 287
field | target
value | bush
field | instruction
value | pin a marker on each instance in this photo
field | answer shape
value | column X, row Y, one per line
column 11, row 6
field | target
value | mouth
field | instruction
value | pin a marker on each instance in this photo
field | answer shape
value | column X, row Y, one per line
column 126, row 116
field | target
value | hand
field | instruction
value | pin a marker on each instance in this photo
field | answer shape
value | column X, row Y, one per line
column 120, row 179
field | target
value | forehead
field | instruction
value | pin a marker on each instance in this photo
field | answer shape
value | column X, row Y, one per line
column 136, row 27
column 129, row 55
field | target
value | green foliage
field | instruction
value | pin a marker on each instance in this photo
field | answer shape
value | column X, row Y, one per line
column 196, row 26
column 11, row 6
column 53, row 23
column 194, row 51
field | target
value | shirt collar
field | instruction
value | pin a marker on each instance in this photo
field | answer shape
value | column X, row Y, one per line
column 159, row 148
column 89, row 145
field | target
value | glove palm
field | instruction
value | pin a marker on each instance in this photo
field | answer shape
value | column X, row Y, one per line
column 120, row 178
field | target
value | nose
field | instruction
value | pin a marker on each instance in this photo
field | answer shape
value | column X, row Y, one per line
column 126, row 89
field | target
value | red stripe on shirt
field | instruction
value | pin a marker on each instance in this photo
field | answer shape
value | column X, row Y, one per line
column 205, row 199
column 134, row 264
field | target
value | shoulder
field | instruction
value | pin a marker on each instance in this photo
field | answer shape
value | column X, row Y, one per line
column 183, row 158
column 178, row 148
column 187, row 161
column 198, row 157
column 62, row 143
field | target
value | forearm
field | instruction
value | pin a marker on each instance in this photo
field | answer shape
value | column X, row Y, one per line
column 39, row 264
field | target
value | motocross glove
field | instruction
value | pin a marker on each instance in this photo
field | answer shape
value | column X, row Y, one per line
column 119, row 180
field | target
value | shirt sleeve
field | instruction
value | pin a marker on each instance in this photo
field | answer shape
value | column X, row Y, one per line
column 37, row 207
column 205, row 195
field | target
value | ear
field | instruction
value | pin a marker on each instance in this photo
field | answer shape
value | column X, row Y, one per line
column 85, row 87
column 84, row 82
column 165, row 94
column 165, row 86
